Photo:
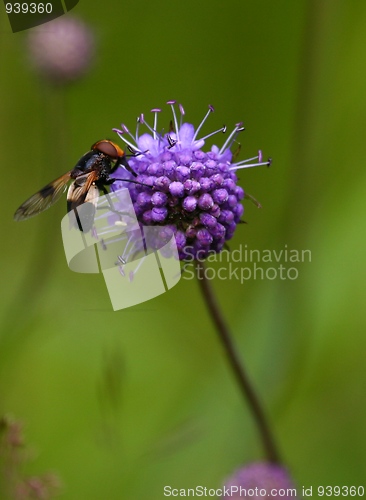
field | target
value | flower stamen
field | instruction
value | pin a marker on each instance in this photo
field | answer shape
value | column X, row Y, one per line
column 258, row 157
column 155, row 111
column 171, row 103
column 238, row 128
column 222, row 129
column 182, row 113
column 120, row 260
column 126, row 130
column 120, row 135
column 240, row 166
column 137, row 130
column 211, row 109
column 155, row 133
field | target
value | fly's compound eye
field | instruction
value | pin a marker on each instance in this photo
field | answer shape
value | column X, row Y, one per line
column 108, row 148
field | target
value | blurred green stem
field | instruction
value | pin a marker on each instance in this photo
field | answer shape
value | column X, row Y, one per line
column 237, row 367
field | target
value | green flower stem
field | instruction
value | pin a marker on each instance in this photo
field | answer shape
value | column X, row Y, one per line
column 237, row 367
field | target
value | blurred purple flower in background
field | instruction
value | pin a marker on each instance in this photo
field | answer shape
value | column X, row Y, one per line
column 14, row 484
column 61, row 50
column 193, row 192
column 260, row 480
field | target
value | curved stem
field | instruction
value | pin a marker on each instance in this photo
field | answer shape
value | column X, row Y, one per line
column 237, row 366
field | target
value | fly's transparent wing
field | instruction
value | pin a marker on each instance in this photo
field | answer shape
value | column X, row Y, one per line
column 43, row 199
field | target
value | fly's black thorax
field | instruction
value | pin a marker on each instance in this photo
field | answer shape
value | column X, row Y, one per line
column 94, row 161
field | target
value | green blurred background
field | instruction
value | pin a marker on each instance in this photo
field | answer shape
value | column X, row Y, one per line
column 119, row 404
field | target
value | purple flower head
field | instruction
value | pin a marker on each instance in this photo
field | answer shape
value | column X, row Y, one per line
column 260, row 480
column 192, row 190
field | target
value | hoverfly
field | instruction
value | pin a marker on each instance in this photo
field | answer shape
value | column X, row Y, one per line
column 90, row 174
